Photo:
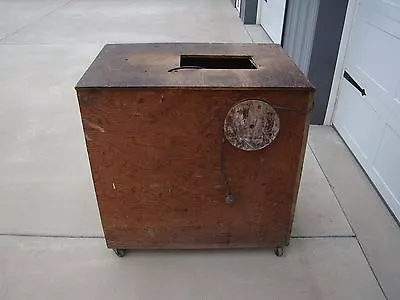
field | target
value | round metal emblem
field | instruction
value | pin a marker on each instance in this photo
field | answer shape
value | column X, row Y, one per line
column 251, row 125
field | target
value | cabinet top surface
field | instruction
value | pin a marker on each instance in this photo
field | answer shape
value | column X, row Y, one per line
column 177, row 65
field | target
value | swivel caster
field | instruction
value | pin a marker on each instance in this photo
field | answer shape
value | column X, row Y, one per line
column 119, row 252
column 279, row 251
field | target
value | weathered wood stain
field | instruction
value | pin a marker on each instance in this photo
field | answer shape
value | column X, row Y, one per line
column 251, row 125
column 154, row 144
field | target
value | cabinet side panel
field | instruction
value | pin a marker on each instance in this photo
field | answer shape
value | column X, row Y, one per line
column 156, row 163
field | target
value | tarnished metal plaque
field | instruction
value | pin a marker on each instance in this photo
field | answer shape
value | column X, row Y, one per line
column 251, row 125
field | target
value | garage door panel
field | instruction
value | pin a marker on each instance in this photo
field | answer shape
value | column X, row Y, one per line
column 272, row 17
column 387, row 162
column 370, row 124
column 376, row 54
column 397, row 100
column 384, row 104
column 389, row 8
column 358, row 41
column 355, row 118
column 386, row 108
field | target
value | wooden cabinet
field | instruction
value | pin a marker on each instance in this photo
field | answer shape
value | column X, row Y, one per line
column 165, row 173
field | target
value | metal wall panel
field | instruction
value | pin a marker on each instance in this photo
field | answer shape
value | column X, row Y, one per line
column 248, row 11
column 298, row 36
column 312, row 34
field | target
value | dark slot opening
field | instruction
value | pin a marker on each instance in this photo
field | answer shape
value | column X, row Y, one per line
column 217, row 62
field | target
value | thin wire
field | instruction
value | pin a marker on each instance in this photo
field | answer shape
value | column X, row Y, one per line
column 183, row 68
column 285, row 108
column 229, row 197
column 295, row 110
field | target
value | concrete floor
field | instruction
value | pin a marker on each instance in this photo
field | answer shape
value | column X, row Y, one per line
column 345, row 243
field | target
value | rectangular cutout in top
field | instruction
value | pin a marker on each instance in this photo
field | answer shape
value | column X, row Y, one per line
column 217, row 62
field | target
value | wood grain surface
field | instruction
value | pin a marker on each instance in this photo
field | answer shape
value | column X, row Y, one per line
column 147, row 65
column 155, row 155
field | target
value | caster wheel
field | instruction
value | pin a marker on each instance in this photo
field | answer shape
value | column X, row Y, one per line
column 279, row 251
column 120, row 252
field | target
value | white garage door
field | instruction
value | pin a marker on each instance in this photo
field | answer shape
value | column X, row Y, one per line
column 370, row 124
column 272, row 14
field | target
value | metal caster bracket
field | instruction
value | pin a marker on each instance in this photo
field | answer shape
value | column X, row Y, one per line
column 279, row 251
column 119, row 252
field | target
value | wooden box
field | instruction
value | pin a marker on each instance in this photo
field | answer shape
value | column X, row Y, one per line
column 172, row 167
